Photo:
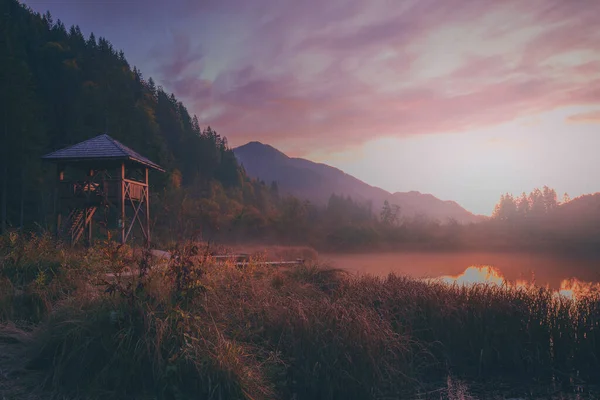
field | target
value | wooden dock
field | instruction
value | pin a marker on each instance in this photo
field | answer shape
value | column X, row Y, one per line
column 237, row 257
column 271, row 263
column 239, row 260
column 243, row 260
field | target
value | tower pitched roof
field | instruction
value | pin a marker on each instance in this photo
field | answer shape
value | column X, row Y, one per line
column 101, row 147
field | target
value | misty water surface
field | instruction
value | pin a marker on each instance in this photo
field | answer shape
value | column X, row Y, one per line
column 543, row 269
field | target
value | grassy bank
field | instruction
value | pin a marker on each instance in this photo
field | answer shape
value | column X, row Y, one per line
column 197, row 329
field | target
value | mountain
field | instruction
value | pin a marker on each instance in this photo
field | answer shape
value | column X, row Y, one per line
column 317, row 182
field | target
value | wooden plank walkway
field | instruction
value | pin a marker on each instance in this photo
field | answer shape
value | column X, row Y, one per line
column 272, row 263
column 240, row 260
column 241, row 256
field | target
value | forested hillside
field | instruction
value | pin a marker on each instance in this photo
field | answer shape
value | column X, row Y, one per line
column 62, row 88
column 540, row 219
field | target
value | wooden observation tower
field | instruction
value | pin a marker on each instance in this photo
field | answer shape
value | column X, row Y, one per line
column 98, row 178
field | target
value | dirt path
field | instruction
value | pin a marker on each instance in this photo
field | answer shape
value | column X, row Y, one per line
column 15, row 381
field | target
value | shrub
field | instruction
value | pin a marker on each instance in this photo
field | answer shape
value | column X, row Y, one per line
column 36, row 273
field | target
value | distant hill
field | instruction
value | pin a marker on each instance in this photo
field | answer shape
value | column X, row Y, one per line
column 317, row 182
column 576, row 217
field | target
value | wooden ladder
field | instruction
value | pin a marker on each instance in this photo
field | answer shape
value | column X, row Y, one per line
column 78, row 219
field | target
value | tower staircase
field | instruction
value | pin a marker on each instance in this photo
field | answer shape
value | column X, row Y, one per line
column 77, row 221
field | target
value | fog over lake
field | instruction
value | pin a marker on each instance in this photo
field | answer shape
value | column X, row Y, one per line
column 544, row 269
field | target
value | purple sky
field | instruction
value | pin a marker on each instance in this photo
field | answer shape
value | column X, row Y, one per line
column 464, row 99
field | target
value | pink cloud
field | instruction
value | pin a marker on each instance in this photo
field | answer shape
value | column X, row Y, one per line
column 592, row 117
column 415, row 111
column 192, row 86
column 177, row 57
column 588, row 69
column 358, row 94
column 477, row 67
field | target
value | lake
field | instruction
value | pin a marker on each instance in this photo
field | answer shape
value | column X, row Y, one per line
column 557, row 272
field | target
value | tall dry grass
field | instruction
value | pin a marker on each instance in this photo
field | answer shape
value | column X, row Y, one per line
column 199, row 329
column 483, row 331
column 35, row 272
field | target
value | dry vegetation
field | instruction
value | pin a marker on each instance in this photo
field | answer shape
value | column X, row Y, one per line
column 198, row 329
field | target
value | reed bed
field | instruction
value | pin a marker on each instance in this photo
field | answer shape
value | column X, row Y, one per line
column 199, row 329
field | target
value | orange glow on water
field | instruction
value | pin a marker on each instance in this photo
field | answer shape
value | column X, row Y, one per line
column 574, row 288
column 523, row 284
column 472, row 275
column 569, row 288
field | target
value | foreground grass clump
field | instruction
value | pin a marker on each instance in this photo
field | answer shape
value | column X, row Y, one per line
column 327, row 347
column 484, row 331
column 106, row 349
column 138, row 338
column 35, row 273
column 204, row 330
column 193, row 328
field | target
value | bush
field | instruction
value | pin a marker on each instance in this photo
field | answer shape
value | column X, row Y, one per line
column 36, row 273
column 141, row 340
column 106, row 348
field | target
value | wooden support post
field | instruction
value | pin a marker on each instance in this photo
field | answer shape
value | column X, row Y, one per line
column 90, row 229
column 122, row 200
column 60, row 177
column 147, row 182
column 88, row 209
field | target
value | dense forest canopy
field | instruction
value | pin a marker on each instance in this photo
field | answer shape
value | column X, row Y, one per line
column 63, row 88
column 60, row 88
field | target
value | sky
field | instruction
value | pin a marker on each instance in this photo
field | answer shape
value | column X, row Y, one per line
column 463, row 99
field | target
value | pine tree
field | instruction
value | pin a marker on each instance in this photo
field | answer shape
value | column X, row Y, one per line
column 506, row 209
column 537, row 204
column 550, row 199
column 62, row 89
column 523, row 206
